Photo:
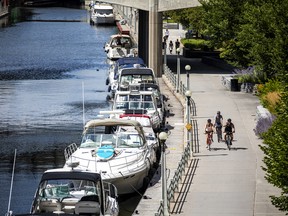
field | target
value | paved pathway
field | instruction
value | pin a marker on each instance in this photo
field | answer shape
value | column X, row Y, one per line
column 226, row 183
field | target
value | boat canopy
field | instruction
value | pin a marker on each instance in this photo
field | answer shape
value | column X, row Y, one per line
column 137, row 71
column 55, row 174
column 130, row 61
column 114, row 122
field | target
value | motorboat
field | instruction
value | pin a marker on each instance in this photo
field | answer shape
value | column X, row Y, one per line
column 116, row 148
column 152, row 140
column 120, row 46
column 135, row 75
column 144, row 102
column 76, row 192
column 117, row 67
column 102, row 14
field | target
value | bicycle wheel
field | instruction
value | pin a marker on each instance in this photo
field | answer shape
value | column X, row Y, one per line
column 228, row 142
column 209, row 141
column 219, row 134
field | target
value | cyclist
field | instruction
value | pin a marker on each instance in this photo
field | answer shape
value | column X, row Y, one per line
column 218, row 122
column 229, row 128
column 209, row 130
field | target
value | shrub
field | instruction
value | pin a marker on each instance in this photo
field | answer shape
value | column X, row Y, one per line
column 250, row 75
column 196, row 44
column 245, row 75
column 263, row 124
column 270, row 94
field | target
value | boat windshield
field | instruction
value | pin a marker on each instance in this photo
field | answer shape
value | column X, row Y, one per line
column 119, row 140
column 132, row 79
column 103, row 11
column 122, row 42
column 143, row 102
column 65, row 194
column 132, row 140
column 98, row 140
column 134, row 105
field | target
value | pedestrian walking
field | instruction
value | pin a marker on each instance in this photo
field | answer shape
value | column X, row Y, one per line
column 171, row 46
column 177, row 45
column 166, row 34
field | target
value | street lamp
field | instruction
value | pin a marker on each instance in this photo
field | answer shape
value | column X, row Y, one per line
column 188, row 95
column 178, row 69
column 163, row 137
column 165, row 54
column 187, row 69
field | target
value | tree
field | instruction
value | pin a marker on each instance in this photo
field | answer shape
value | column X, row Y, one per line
column 223, row 19
column 190, row 18
column 276, row 154
column 264, row 35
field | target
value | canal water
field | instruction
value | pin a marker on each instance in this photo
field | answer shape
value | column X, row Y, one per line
column 52, row 62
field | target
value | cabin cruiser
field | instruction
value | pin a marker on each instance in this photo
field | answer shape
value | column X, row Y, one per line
column 116, row 148
column 117, row 67
column 145, row 121
column 74, row 191
column 119, row 46
column 144, row 102
column 102, row 14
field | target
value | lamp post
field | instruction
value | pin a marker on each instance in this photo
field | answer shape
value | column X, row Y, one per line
column 178, row 69
column 164, row 49
column 187, row 69
column 188, row 95
column 163, row 137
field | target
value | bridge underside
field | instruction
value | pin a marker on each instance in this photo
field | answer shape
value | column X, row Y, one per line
column 163, row 5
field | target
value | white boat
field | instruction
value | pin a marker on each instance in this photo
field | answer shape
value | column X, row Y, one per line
column 140, row 102
column 74, row 191
column 102, row 14
column 152, row 140
column 116, row 148
column 120, row 46
column 117, row 67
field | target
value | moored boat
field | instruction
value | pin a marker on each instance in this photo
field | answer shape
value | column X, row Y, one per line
column 74, row 191
column 116, row 148
column 102, row 13
column 120, row 46
column 144, row 102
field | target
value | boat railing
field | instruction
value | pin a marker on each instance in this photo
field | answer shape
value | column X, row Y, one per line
column 132, row 161
column 69, row 150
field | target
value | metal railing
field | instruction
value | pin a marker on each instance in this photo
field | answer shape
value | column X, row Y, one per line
column 173, row 80
column 180, row 171
column 176, row 181
column 69, row 150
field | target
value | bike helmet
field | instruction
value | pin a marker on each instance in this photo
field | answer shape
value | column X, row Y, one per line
column 209, row 120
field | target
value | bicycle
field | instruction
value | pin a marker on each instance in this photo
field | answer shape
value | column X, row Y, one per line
column 228, row 140
column 219, row 133
column 209, row 140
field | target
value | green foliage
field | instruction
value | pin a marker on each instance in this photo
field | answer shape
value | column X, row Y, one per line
column 196, row 44
column 223, row 20
column 276, row 154
column 190, row 18
column 264, row 35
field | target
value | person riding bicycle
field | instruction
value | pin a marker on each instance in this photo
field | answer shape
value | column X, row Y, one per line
column 218, row 122
column 209, row 129
column 229, row 128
